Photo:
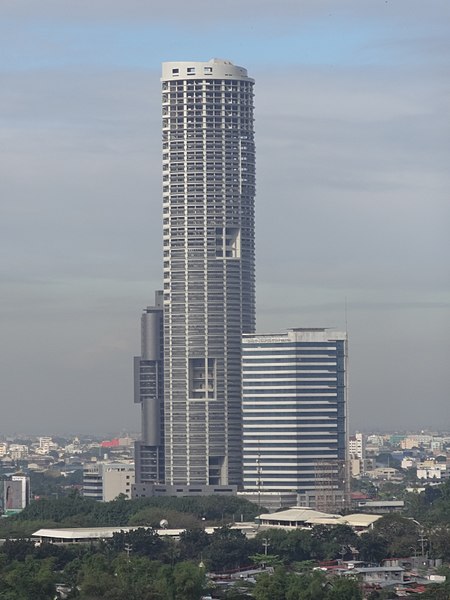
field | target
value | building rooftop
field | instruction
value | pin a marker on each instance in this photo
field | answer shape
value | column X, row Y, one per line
column 302, row 516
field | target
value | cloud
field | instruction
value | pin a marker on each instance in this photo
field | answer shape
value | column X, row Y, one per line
column 352, row 196
column 402, row 11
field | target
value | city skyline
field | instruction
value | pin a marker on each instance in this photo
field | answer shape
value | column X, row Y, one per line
column 352, row 210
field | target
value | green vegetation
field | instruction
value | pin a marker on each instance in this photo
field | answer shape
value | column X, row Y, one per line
column 283, row 585
column 143, row 565
column 75, row 511
column 148, row 571
column 53, row 483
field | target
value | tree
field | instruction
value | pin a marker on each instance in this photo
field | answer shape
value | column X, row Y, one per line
column 189, row 581
column 228, row 549
column 328, row 542
column 153, row 515
column 306, row 586
column 372, row 547
column 275, row 539
column 266, row 560
column 28, row 579
column 17, row 549
column 297, row 546
column 344, row 589
column 439, row 538
column 401, row 534
column 271, row 587
column 141, row 542
column 193, row 543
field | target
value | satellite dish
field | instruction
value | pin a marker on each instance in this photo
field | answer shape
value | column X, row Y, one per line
column 164, row 523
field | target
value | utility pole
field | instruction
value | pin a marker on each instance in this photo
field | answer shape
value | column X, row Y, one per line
column 128, row 548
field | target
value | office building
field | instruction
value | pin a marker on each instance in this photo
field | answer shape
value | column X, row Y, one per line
column 209, row 263
column 148, row 392
column 356, row 446
column 294, row 416
column 356, row 454
column 105, row 481
column 16, row 493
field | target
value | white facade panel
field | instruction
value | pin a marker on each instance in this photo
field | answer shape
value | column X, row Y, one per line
column 294, row 410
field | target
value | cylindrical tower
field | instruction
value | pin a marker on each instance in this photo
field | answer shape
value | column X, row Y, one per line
column 209, row 265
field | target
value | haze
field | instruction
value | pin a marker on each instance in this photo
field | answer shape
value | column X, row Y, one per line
column 352, row 125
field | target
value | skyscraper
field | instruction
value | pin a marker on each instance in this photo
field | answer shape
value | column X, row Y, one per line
column 295, row 415
column 209, row 266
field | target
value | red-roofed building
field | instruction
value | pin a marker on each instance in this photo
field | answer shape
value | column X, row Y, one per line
column 110, row 443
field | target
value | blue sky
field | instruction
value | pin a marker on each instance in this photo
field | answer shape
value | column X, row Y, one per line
column 352, row 128
column 326, row 39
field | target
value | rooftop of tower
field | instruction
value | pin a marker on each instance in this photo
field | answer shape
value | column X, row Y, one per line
column 215, row 68
column 296, row 334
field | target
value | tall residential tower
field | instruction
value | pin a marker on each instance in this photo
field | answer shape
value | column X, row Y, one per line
column 209, row 266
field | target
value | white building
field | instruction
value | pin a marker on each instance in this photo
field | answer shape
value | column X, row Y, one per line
column 74, row 447
column 357, row 454
column 408, row 462
column 432, row 470
column 356, row 446
column 18, row 451
column 16, row 493
column 209, row 266
column 45, row 445
column 298, row 517
column 106, row 481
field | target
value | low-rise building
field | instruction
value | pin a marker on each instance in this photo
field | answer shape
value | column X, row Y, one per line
column 379, row 576
column 385, row 474
column 381, row 506
column 437, row 471
column 305, row 518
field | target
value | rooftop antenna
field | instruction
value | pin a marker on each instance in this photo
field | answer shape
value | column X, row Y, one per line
column 346, row 316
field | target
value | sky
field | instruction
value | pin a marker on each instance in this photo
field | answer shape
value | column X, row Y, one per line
column 353, row 212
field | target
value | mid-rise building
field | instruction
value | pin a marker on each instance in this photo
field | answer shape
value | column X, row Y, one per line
column 295, row 415
column 356, row 454
column 45, row 445
column 18, row 451
column 105, row 481
column 356, row 446
column 16, row 493
column 209, row 266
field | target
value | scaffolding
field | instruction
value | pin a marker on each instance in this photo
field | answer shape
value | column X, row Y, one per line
column 331, row 486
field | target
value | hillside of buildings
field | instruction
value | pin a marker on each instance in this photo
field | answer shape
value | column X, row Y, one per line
column 404, row 477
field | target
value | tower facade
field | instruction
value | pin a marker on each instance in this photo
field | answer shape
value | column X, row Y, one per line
column 209, row 266
column 148, row 392
column 295, row 415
